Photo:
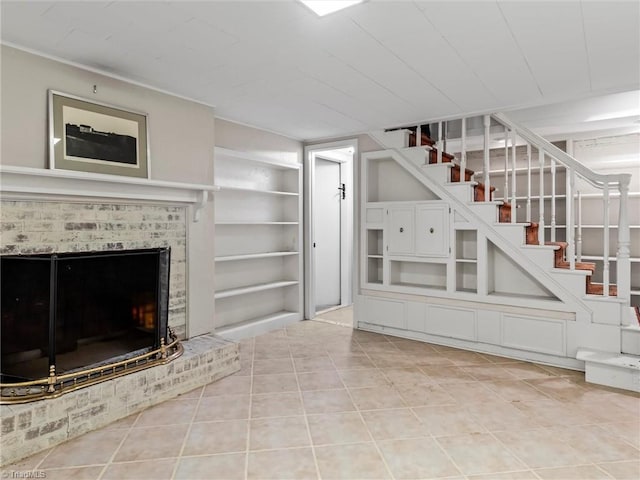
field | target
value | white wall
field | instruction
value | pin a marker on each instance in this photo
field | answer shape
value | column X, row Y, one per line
column 181, row 135
column 259, row 142
column 181, row 132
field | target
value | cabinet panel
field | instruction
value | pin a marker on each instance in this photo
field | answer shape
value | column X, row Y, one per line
column 385, row 312
column 401, row 230
column 432, row 230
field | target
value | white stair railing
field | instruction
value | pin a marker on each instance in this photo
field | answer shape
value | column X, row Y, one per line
column 575, row 170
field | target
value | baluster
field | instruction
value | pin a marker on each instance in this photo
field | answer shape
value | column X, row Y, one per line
column 419, row 136
column 439, row 155
column 487, row 186
column 505, row 195
column 553, row 200
column 528, row 183
column 570, row 232
column 579, row 234
column 623, row 266
column 514, row 201
column 541, row 237
column 606, row 203
column 463, row 153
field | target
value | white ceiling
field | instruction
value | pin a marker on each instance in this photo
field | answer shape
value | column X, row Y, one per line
column 276, row 65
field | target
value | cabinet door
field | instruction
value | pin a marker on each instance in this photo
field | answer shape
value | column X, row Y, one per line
column 401, row 231
column 432, row 230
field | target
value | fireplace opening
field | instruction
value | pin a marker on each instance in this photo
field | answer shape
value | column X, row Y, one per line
column 78, row 311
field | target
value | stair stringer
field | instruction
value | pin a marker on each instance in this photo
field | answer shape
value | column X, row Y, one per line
column 565, row 296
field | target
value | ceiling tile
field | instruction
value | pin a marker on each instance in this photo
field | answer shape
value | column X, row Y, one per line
column 479, row 33
column 612, row 30
column 552, row 41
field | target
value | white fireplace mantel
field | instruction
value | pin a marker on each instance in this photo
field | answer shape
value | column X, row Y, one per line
column 37, row 183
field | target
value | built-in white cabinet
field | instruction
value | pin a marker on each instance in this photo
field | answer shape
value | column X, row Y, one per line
column 258, row 241
column 432, row 230
column 401, row 230
column 406, row 245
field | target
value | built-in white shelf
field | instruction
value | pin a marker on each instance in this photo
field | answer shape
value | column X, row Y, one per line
column 256, row 190
column 258, row 243
column 611, row 259
column 252, row 256
column 466, row 260
column 222, row 152
column 234, row 292
column 257, row 223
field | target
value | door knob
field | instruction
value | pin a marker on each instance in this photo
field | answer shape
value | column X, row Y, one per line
column 431, row 230
column 401, row 229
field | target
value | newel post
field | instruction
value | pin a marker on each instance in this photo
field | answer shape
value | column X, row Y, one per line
column 623, row 255
column 486, row 120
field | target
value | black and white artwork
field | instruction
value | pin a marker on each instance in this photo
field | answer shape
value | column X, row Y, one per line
column 96, row 137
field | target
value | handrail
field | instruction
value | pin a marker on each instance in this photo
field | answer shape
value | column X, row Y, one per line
column 577, row 175
column 596, row 179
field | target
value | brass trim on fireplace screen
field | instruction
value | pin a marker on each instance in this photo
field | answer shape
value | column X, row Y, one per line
column 55, row 385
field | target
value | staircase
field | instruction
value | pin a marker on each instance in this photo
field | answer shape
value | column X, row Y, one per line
column 605, row 324
column 504, row 216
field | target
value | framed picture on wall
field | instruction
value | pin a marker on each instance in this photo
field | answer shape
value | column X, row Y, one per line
column 88, row 136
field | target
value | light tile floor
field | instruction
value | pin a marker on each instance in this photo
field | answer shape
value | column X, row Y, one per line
column 318, row 400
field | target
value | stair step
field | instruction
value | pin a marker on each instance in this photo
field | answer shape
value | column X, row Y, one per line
column 479, row 192
column 611, row 369
column 433, row 156
column 424, row 140
column 578, row 266
column 461, row 190
column 504, row 213
column 598, row 288
column 456, row 171
column 531, row 234
column 439, row 171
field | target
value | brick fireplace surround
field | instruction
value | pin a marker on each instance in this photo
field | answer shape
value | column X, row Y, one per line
column 115, row 215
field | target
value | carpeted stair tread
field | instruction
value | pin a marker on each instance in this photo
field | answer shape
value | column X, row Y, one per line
column 479, row 192
column 578, row 265
column 598, row 288
column 455, row 173
column 446, row 157
column 425, row 140
column 531, row 234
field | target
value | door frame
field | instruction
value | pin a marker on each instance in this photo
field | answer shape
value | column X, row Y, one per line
column 347, row 222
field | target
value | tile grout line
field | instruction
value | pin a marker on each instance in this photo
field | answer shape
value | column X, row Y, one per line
column 188, row 432
column 446, row 454
column 115, row 452
column 304, row 411
column 366, row 426
column 247, row 443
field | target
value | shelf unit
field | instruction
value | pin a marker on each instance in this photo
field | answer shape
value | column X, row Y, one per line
column 466, row 261
column 375, row 255
column 258, row 263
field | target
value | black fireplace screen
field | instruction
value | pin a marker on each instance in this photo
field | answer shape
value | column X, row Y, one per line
column 79, row 310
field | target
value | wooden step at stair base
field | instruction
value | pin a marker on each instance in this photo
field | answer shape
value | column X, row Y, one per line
column 455, row 173
column 611, row 369
column 479, row 193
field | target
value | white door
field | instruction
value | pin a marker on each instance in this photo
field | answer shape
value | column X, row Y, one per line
column 326, row 228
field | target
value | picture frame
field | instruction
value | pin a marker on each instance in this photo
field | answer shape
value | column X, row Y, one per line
column 89, row 136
